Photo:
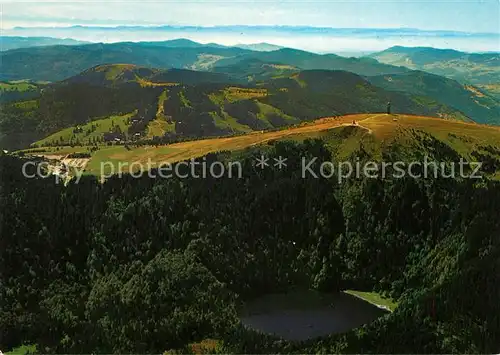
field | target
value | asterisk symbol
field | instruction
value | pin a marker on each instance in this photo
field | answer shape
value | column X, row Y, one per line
column 262, row 162
column 280, row 162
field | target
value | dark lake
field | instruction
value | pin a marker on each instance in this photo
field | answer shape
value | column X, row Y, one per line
column 306, row 315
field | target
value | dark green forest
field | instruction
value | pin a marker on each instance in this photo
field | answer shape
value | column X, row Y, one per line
column 146, row 265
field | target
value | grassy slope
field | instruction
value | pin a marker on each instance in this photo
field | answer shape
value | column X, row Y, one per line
column 473, row 134
column 101, row 126
column 230, row 95
column 374, row 298
column 492, row 89
column 234, row 93
column 26, row 105
column 22, row 350
column 375, row 129
column 16, row 86
column 229, row 122
column 11, row 91
column 267, row 110
column 160, row 125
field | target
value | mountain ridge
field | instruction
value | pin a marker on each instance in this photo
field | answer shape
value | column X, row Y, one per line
column 15, row 42
column 472, row 68
column 183, row 103
column 53, row 63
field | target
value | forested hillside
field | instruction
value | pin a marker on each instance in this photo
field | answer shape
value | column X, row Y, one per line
column 180, row 103
column 306, row 60
column 180, row 89
column 146, row 265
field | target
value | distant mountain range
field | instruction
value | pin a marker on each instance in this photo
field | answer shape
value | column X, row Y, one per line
column 54, row 63
column 115, row 75
column 57, row 63
column 260, row 47
column 186, row 43
column 14, row 42
column 313, row 39
column 473, row 68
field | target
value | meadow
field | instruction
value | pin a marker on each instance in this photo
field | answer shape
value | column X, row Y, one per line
column 89, row 133
column 379, row 129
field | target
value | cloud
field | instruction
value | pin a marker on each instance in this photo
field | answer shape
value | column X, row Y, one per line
column 445, row 15
column 320, row 40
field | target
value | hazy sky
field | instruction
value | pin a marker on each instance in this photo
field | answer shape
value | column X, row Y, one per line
column 464, row 15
